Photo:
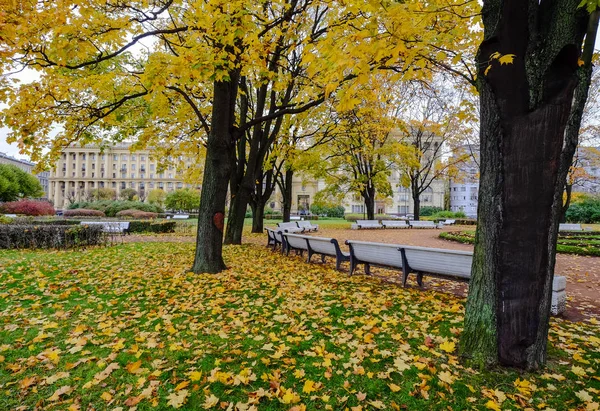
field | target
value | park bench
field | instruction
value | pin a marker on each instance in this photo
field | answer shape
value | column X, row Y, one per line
column 307, row 225
column 110, row 227
column 290, row 227
column 448, row 222
column 181, row 216
column 394, row 224
column 423, row 224
column 317, row 245
column 275, row 238
column 367, row 224
column 437, row 262
column 570, row 227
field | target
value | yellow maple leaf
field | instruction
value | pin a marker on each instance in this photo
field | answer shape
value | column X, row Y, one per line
column 394, row 387
column 61, row 391
column 580, row 372
column 309, row 386
column 195, row 375
column 290, row 397
column 507, row 59
column 447, row 346
column 580, row 63
column 106, row 396
column 134, row 366
column 182, row 385
column 487, row 70
column 495, row 55
column 492, row 405
column 584, row 396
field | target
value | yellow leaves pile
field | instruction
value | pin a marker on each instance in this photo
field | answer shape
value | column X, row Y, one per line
column 269, row 333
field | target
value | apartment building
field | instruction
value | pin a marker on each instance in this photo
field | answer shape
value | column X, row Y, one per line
column 82, row 169
column 464, row 188
column 27, row 166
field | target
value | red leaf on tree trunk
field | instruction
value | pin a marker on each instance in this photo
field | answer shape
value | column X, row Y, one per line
column 219, row 221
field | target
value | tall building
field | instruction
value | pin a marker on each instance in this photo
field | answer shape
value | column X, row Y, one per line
column 82, row 169
column 587, row 177
column 27, row 166
column 464, row 189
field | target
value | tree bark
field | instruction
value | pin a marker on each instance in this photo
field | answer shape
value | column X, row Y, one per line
column 369, row 197
column 525, row 106
column 286, row 193
column 217, row 170
column 258, row 215
column 416, row 207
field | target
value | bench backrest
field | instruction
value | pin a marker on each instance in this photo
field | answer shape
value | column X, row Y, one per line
column 397, row 223
column 275, row 234
column 439, row 260
column 305, row 224
column 296, row 241
column 570, row 227
column 181, row 216
column 287, row 225
column 376, row 253
column 368, row 222
column 449, row 221
column 323, row 245
column 422, row 223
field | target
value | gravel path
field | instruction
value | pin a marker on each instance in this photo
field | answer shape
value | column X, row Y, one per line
column 583, row 273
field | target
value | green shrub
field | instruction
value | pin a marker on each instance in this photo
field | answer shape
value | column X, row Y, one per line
column 137, row 214
column 5, row 220
column 426, row 211
column 586, row 211
column 48, row 236
column 329, row 211
column 449, row 214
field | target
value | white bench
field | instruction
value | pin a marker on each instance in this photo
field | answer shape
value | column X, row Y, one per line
column 448, row 222
column 181, row 216
column 307, row 225
column 423, row 224
column 368, row 224
column 436, row 262
column 316, row 245
column 290, row 227
column 112, row 227
column 394, row 224
column 570, row 227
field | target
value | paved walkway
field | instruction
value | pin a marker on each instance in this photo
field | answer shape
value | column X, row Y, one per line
column 583, row 273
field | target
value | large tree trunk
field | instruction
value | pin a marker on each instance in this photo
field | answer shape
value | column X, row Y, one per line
column 416, row 207
column 217, row 169
column 258, row 215
column 369, row 197
column 525, row 106
column 566, row 203
column 237, row 214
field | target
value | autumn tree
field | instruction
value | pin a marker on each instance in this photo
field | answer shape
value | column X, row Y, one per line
column 433, row 125
column 184, row 199
column 530, row 64
column 169, row 74
column 157, row 196
column 127, row 194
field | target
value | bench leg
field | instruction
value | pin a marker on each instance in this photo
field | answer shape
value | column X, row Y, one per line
column 420, row 279
column 352, row 266
column 309, row 255
column 323, row 258
column 338, row 263
column 368, row 269
column 404, row 276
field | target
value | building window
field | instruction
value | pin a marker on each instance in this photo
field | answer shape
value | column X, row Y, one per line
column 74, row 157
column 142, row 158
column 123, row 185
column 179, row 185
column 151, row 175
column 463, row 189
column 114, row 184
column 142, row 175
column 115, row 157
column 151, row 185
column 94, row 165
column 123, row 157
column 132, row 184
column 151, row 167
column 170, row 175
column 132, row 167
column 114, row 175
column 169, row 185
column 133, row 157
column 357, row 209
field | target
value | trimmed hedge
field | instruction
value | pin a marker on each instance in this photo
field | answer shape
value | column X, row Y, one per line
column 152, row 227
column 111, row 208
column 137, row 214
column 49, row 236
column 83, row 212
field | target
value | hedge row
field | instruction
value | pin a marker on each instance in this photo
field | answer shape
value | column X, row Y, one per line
column 83, row 212
column 48, row 236
column 152, row 227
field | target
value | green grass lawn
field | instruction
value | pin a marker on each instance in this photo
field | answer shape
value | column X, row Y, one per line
column 127, row 326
